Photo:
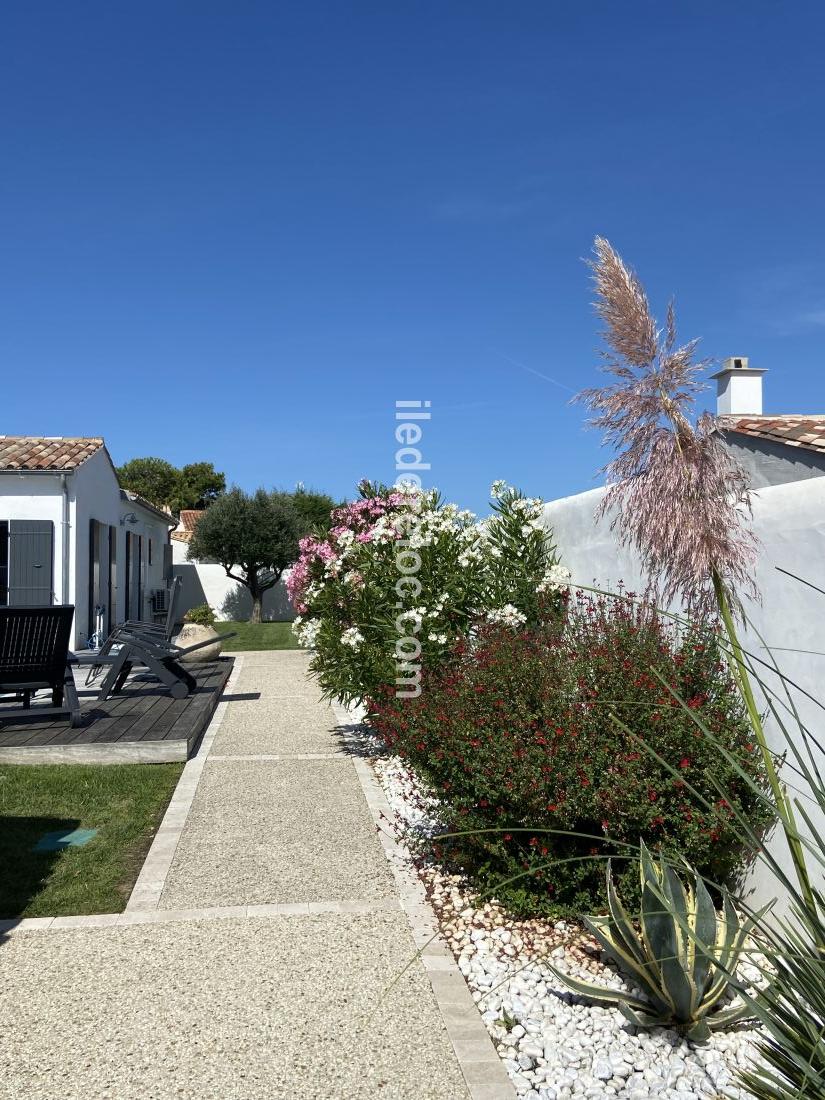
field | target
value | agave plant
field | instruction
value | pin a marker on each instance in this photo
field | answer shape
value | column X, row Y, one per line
column 683, row 960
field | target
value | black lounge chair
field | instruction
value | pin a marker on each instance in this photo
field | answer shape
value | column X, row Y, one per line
column 134, row 627
column 34, row 655
column 161, row 658
column 152, row 630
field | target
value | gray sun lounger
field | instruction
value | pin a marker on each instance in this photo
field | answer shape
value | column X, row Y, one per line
column 157, row 632
column 161, row 658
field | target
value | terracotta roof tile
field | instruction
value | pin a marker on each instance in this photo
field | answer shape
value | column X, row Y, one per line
column 28, row 452
column 189, row 517
column 794, row 431
column 186, row 524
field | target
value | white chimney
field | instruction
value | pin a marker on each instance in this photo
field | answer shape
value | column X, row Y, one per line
column 738, row 389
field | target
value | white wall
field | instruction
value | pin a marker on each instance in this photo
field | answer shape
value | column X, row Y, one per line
column 770, row 463
column 790, row 523
column 207, row 582
column 95, row 494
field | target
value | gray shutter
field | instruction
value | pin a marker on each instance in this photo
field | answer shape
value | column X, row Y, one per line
column 31, row 562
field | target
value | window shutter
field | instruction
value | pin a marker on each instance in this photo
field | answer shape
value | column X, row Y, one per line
column 31, row 562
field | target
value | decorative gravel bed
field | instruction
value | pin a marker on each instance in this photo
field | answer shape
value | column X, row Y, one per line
column 553, row 1045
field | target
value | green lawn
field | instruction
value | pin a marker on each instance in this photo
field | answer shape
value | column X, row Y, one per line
column 124, row 802
column 258, row 636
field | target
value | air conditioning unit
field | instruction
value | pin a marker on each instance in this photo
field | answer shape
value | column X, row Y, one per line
column 160, row 601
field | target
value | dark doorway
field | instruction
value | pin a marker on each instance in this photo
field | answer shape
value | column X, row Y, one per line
column 4, row 562
column 112, row 611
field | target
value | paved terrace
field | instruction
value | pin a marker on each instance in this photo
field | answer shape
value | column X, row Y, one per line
column 268, row 949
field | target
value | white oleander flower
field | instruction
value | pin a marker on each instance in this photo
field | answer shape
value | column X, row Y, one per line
column 352, row 637
column 306, row 631
column 498, row 488
column 554, row 580
column 508, row 615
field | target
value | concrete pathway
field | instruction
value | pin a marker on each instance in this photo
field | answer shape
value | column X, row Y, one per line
column 265, row 949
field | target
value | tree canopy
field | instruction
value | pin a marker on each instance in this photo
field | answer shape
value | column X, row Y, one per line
column 196, row 485
column 199, row 485
column 155, row 479
column 312, row 509
column 254, row 537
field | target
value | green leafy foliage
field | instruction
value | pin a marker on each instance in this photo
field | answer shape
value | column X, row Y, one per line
column 540, row 743
column 313, row 509
column 202, row 614
column 253, row 536
column 683, row 959
column 402, row 575
column 791, row 1008
column 196, row 485
column 155, row 479
column 199, row 485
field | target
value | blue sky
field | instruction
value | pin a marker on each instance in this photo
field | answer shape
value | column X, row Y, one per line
column 240, row 232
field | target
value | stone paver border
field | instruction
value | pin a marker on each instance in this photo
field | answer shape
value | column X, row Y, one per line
column 216, row 912
column 264, row 756
column 478, row 1058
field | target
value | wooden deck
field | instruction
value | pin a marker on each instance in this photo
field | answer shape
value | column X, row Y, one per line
column 143, row 724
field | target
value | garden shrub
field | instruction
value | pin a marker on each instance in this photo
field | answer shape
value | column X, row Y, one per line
column 515, row 736
column 358, row 599
column 202, row 614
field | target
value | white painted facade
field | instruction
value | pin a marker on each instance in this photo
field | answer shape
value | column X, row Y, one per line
column 70, row 500
column 789, row 521
column 207, row 582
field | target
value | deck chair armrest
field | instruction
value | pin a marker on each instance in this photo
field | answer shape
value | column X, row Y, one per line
column 178, row 650
column 91, row 658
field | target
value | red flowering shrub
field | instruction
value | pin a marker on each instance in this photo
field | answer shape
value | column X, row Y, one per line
column 523, row 737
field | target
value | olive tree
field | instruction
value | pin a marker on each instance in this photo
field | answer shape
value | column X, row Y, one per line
column 254, row 537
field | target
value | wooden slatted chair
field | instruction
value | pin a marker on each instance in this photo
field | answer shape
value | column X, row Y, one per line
column 34, row 655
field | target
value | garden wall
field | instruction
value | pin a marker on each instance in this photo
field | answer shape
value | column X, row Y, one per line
column 207, row 582
column 790, row 523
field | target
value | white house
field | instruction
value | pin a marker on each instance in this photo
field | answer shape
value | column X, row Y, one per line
column 70, row 534
column 772, row 449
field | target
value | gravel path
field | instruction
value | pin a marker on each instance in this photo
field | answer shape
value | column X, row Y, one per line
column 277, row 831
column 303, row 1007
column 221, row 1010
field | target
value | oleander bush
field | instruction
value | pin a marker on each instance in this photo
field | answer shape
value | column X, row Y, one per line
column 401, row 576
column 534, row 738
